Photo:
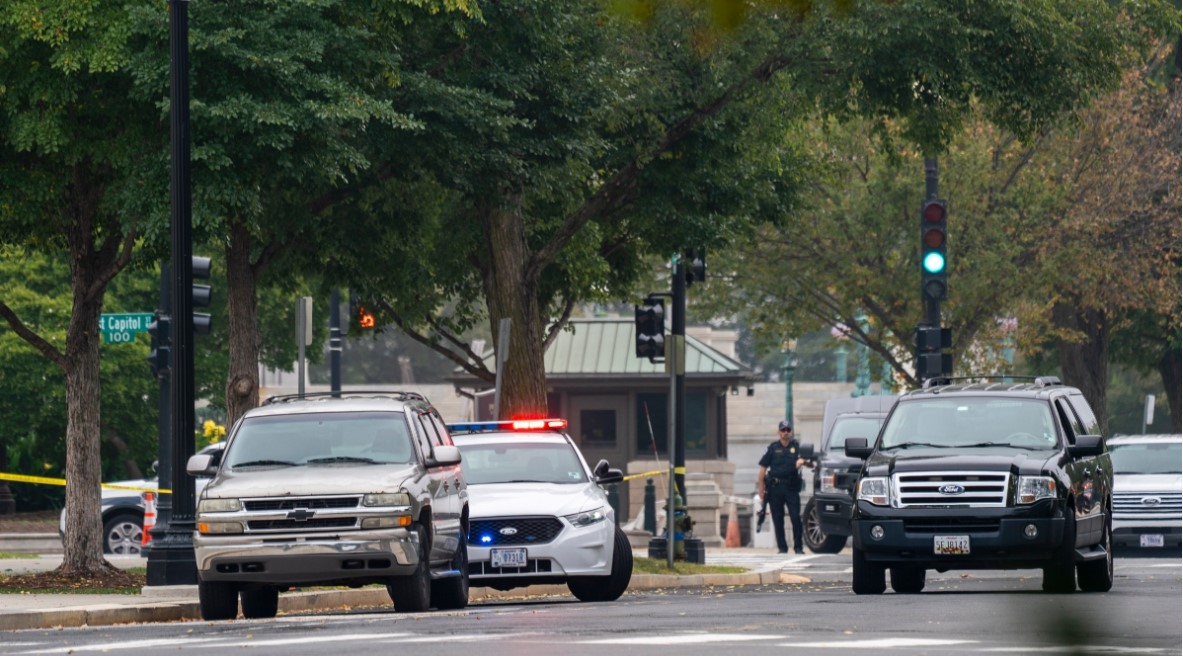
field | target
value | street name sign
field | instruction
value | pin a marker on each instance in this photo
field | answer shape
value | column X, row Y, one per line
column 122, row 328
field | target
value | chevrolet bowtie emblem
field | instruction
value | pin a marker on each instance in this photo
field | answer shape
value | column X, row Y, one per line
column 301, row 514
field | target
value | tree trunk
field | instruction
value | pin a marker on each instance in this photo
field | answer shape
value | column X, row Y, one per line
column 242, row 382
column 83, row 541
column 1172, row 381
column 512, row 293
column 1086, row 363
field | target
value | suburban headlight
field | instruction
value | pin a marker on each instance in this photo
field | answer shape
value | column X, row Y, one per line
column 389, row 499
column 875, row 490
column 587, row 517
column 219, row 528
column 219, row 505
column 829, row 479
column 1034, row 488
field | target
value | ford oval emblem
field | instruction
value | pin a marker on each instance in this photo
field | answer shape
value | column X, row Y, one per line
column 509, row 530
column 951, row 488
column 1146, row 501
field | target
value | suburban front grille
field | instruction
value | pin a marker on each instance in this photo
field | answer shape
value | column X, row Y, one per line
column 301, row 525
column 513, row 530
column 1147, row 503
column 533, row 566
column 973, row 489
column 311, row 503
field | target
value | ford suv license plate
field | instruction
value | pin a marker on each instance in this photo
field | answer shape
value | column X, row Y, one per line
column 950, row 545
column 508, row 557
column 1149, row 540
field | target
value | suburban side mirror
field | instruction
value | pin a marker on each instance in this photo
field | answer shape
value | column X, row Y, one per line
column 201, row 465
column 1087, row 445
column 445, row 456
column 856, row 447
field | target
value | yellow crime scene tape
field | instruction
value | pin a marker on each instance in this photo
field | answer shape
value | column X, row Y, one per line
column 648, row 473
column 22, row 478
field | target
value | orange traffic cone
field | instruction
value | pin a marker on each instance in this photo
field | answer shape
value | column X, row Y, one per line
column 732, row 528
column 149, row 516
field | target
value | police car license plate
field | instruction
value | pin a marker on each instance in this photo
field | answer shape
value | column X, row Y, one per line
column 1150, row 540
column 950, row 545
column 507, row 557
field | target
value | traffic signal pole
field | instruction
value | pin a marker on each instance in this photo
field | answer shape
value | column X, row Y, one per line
column 677, row 356
column 932, row 310
column 930, row 338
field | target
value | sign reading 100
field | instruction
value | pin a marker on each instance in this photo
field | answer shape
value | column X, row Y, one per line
column 122, row 328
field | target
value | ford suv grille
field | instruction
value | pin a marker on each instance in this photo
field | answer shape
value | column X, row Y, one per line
column 973, row 489
column 1147, row 503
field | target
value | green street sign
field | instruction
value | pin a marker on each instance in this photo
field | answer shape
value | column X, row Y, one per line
column 122, row 328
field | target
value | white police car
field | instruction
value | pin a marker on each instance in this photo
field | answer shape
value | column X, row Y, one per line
column 538, row 513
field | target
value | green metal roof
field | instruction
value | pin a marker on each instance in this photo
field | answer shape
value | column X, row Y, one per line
column 605, row 347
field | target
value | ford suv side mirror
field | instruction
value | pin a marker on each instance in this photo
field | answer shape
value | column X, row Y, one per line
column 856, row 447
column 1087, row 445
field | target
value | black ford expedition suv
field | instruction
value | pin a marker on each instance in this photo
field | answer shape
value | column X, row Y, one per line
column 984, row 473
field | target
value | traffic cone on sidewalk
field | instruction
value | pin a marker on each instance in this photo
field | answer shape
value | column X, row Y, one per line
column 732, row 528
column 149, row 516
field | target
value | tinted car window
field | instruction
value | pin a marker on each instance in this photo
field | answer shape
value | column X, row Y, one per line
column 511, row 463
column 845, row 427
column 960, row 422
column 1146, row 458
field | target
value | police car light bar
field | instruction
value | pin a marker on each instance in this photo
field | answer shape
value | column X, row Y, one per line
column 509, row 424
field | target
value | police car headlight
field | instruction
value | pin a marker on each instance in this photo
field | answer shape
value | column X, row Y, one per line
column 1034, row 488
column 875, row 490
column 587, row 517
column 218, row 505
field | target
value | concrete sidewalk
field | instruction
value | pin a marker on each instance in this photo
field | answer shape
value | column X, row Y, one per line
column 172, row 603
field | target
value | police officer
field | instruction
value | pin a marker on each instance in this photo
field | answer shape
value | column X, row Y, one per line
column 779, row 482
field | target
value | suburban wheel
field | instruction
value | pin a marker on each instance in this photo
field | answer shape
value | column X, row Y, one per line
column 260, row 603
column 412, row 593
column 452, row 593
column 1060, row 576
column 218, row 599
column 1097, row 575
column 123, row 535
column 866, row 577
column 906, row 579
column 815, row 538
column 607, row 588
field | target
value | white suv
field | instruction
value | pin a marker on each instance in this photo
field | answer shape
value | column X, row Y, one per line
column 1147, row 490
column 538, row 513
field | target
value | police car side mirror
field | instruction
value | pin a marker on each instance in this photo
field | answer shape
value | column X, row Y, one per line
column 605, row 474
column 856, row 447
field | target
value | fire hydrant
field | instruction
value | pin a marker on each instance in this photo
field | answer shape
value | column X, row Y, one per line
column 683, row 526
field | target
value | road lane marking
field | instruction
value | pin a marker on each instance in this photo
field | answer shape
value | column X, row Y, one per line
column 692, row 639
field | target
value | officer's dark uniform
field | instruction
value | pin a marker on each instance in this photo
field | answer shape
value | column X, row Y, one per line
column 782, row 486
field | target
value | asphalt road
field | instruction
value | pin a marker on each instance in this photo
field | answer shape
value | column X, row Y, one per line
column 958, row 613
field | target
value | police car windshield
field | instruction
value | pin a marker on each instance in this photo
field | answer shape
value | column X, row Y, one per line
column 971, row 422
column 496, row 463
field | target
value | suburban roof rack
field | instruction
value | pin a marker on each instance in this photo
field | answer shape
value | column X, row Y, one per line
column 397, row 395
column 1038, row 381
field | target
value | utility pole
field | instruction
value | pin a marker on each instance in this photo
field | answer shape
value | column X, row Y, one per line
column 335, row 342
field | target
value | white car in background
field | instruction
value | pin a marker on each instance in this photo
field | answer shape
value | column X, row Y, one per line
column 123, row 511
column 537, row 512
column 1147, row 490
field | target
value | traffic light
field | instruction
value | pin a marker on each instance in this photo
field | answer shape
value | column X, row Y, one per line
column 696, row 265
column 650, row 323
column 202, row 296
column 365, row 318
column 158, row 355
column 934, row 243
column 930, row 341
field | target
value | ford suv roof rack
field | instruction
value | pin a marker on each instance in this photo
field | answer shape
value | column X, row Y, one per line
column 397, row 395
column 1038, row 381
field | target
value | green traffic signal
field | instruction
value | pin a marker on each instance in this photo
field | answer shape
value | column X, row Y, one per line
column 934, row 262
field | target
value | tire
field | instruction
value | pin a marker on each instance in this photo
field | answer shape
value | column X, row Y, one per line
column 1060, row 576
column 123, row 535
column 815, row 538
column 1097, row 575
column 412, row 593
column 260, row 603
column 611, row 587
column 907, row 579
column 452, row 593
column 218, row 600
column 866, row 577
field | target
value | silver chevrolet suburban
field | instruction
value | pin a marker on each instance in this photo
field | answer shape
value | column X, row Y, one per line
column 325, row 491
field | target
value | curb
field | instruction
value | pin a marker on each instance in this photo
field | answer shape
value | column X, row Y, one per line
column 105, row 614
column 31, row 543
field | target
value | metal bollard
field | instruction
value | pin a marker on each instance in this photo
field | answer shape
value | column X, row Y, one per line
column 650, row 507
column 614, row 501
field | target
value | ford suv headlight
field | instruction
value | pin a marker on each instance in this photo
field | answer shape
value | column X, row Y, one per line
column 1034, row 488
column 829, row 479
column 218, row 505
column 875, row 490
column 587, row 517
